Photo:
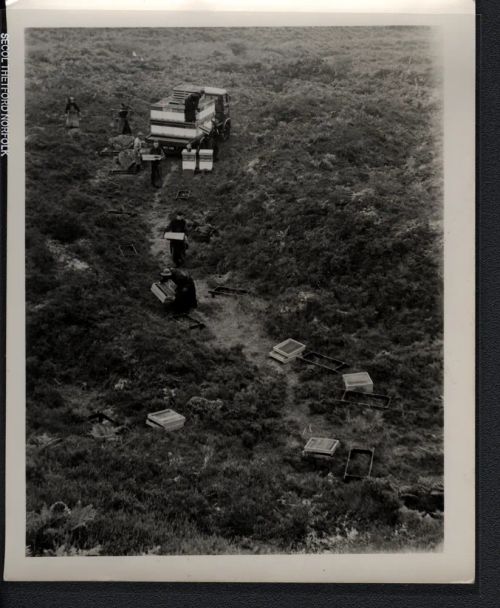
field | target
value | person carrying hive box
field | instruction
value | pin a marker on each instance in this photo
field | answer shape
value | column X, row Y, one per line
column 184, row 291
column 176, row 233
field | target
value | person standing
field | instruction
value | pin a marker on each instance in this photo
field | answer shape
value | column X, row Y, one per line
column 191, row 106
column 123, row 123
column 213, row 140
column 155, row 164
column 138, row 143
column 178, row 248
column 72, row 112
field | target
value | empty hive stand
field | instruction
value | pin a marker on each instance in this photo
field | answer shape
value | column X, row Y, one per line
column 166, row 419
column 359, row 381
column 359, row 464
column 287, row 351
column 320, row 447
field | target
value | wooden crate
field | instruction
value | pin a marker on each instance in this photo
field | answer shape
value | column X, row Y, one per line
column 174, row 236
column 166, row 419
column 359, row 381
column 162, row 292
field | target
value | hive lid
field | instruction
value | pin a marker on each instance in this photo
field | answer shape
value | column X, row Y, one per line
column 289, row 348
column 165, row 417
column 321, row 445
column 174, row 236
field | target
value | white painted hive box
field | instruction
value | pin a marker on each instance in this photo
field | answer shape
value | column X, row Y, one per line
column 189, row 160
column 206, row 160
column 166, row 419
column 359, row 381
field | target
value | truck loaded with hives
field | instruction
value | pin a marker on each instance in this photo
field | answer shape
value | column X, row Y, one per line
column 189, row 117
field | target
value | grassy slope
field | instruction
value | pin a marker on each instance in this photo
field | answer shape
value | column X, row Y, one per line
column 330, row 185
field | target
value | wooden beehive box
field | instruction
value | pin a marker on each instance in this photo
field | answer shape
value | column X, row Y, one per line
column 287, row 351
column 189, row 160
column 321, row 447
column 166, row 419
column 174, row 236
column 359, row 381
column 162, row 291
column 206, row 160
column 289, row 348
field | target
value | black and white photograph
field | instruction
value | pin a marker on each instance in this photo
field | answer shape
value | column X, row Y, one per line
column 234, row 291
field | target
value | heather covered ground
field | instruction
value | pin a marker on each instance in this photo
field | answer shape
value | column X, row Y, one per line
column 327, row 202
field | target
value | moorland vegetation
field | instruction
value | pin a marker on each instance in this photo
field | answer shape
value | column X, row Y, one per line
column 327, row 202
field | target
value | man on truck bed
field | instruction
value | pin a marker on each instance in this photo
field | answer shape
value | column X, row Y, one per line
column 191, row 106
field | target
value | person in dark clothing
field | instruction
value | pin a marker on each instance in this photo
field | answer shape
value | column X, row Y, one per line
column 178, row 248
column 191, row 106
column 72, row 112
column 155, row 164
column 185, row 291
column 212, row 140
column 124, row 126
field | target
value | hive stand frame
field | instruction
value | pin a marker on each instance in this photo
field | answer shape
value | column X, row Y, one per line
column 384, row 399
column 100, row 417
column 222, row 290
column 194, row 323
column 348, row 476
column 339, row 365
column 129, row 247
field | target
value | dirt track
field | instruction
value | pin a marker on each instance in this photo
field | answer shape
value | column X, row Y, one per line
column 231, row 321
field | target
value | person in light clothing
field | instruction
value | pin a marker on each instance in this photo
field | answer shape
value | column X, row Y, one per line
column 72, row 112
column 138, row 143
